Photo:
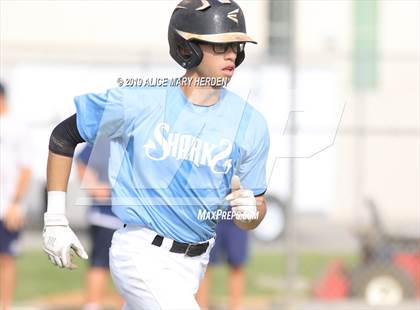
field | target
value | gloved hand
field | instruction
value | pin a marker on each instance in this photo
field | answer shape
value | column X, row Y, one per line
column 59, row 238
column 242, row 201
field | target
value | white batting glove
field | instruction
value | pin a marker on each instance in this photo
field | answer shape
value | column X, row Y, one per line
column 242, row 201
column 59, row 238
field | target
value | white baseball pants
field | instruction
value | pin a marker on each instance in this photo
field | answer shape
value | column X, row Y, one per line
column 150, row 277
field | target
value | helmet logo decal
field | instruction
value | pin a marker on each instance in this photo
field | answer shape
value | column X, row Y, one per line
column 233, row 15
column 205, row 5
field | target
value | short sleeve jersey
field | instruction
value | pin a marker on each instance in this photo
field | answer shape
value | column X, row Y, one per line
column 171, row 159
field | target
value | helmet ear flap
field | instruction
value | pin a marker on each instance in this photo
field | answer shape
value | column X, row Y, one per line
column 186, row 53
column 239, row 58
column 196, row 55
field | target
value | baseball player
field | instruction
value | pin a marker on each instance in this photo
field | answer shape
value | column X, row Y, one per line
column 232, row 245
column 179, row 155
column 93, row 171
column 14, row 182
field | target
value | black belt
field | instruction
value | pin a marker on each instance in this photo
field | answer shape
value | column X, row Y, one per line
column 184, row 248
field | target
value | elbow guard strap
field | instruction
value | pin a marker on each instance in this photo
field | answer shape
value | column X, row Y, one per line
column 65, row 137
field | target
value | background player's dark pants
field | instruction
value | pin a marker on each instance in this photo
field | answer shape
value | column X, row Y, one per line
column 231, row 242
column 8, row 240
column 101, row 242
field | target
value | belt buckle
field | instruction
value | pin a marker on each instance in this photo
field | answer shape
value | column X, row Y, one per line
column 188, row 248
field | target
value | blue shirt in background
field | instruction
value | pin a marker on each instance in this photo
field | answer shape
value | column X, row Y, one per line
column 99, row 214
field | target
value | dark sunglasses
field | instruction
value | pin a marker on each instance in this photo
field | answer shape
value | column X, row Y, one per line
column 221, row 48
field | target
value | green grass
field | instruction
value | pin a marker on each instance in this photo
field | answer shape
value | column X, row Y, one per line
column 37, row 277
column 260, row 266
column 311, row 265
column 266, row 272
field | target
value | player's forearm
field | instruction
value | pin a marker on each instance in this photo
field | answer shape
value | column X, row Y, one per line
column 262, row 210
column 58, row 172
column 22, row 185
column 63, row 141
column 59, row 238
column 57, row 235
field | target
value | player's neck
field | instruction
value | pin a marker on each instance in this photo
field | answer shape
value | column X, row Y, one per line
column 199, row 95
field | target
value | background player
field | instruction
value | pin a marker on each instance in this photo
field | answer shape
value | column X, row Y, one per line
column 232, row 244
column 93, row 171
column 175, row 152
column 14, row 180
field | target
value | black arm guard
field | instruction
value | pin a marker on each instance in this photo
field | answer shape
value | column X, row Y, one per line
column 65, row 137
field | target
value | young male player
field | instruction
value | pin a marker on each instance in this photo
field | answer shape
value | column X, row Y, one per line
column 176, row 153
column 93, row 171
column 14, row 181
column 231, row 245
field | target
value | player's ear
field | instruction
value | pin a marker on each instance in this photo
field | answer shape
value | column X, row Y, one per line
column 184, row 52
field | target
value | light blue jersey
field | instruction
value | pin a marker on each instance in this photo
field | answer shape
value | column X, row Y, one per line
column 171, row 159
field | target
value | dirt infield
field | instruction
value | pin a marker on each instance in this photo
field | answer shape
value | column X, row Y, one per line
column 74, row 300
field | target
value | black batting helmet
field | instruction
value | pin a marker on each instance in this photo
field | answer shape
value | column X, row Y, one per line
column 214, row 21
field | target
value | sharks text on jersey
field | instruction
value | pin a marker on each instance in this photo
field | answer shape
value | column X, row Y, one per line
column 166, row 144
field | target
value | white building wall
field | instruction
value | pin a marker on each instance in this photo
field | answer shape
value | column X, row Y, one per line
column 37, row 35
column 100, row 31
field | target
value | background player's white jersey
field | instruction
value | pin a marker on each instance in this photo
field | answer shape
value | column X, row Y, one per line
column 14, row 155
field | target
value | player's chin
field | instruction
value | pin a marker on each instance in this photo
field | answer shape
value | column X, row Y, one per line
column 226, row 76
column 227, row 73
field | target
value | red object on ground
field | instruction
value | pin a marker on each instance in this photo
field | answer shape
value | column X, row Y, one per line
column 411, row 264
column 334, row 284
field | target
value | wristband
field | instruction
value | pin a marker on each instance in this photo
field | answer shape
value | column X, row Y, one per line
column 56, row 203
column 55, row 220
